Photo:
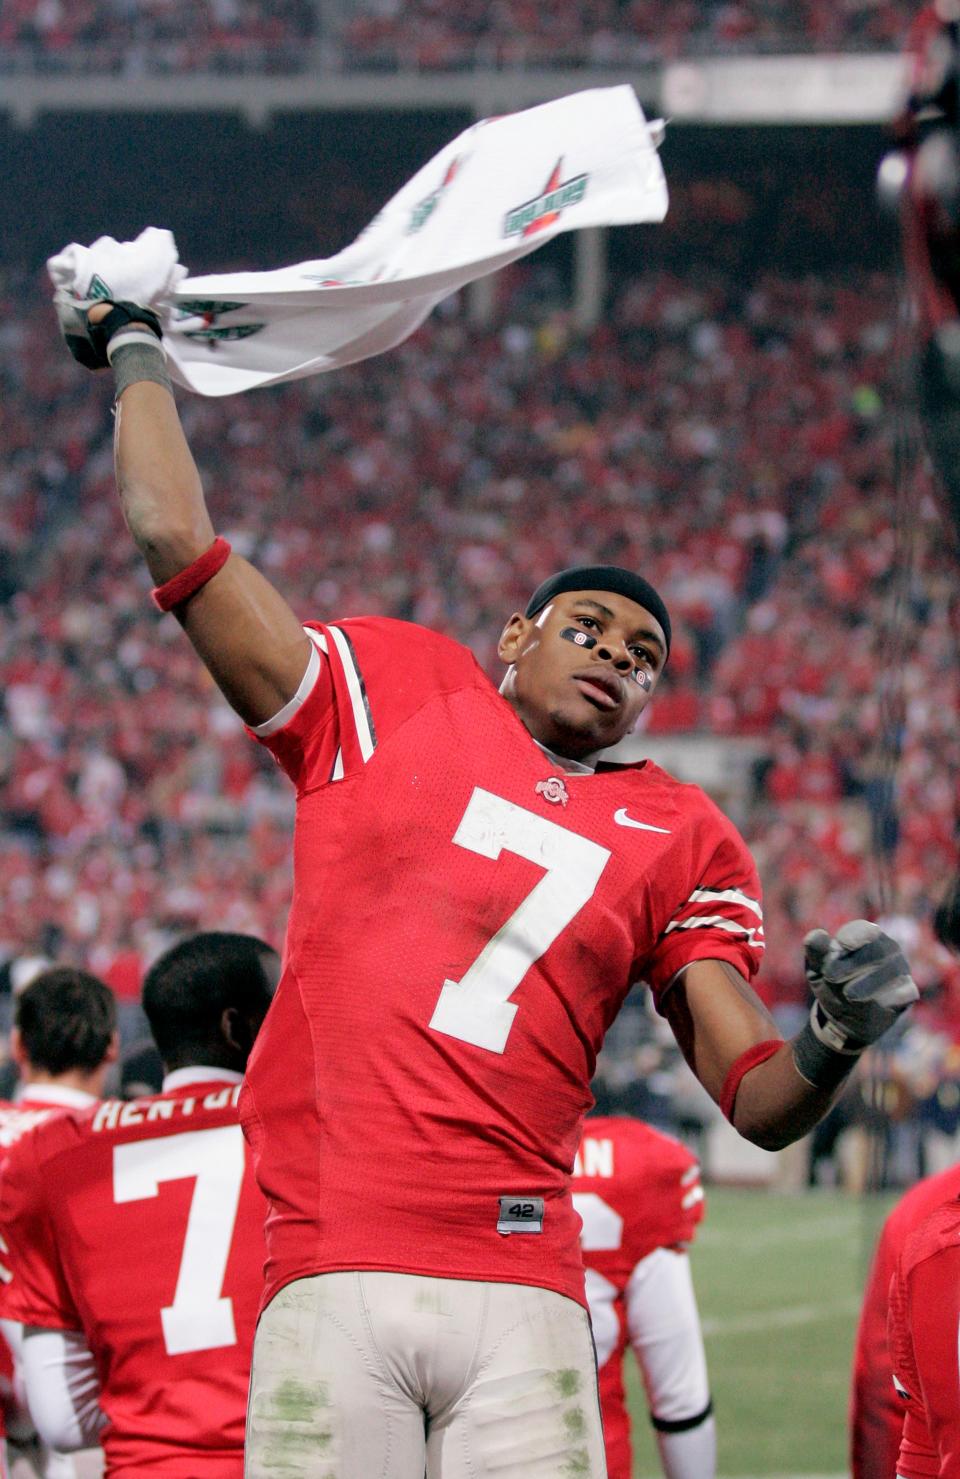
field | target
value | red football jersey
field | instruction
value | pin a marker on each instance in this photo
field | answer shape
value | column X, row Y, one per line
column 635, row 1190
column 876, row 1412
column 37, row 1102
column 466, row 921
column 140, row 1224
column 924, row 1326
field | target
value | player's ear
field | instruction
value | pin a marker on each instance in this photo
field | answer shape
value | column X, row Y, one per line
column 113, row 1051
column 236, row 1031
column 17, row 1051
column 512, row 637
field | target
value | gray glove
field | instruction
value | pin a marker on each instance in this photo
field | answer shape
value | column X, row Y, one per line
column 861, row 981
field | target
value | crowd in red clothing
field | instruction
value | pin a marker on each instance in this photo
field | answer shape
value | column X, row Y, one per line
column 431, row 35
column 170, row 36
column 735, row 444
column 156, row 36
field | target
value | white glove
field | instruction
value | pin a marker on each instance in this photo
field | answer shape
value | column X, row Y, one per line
column 146, row 271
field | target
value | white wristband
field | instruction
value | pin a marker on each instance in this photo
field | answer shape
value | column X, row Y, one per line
column 134, row 336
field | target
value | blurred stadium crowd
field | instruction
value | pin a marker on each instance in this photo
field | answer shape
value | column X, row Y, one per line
column 750, row 433
column 177, row 36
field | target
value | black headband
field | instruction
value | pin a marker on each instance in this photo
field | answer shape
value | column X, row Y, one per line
column 603, row 578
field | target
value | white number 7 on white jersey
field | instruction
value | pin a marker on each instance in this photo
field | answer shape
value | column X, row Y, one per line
column 477, row 1009
column 199, row 1319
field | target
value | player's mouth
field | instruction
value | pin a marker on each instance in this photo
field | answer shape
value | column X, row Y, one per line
column 600, row 687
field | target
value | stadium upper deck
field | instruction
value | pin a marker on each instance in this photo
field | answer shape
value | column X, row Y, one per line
column 289, row 36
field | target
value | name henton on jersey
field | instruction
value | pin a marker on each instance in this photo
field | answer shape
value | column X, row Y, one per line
column 117, row 1114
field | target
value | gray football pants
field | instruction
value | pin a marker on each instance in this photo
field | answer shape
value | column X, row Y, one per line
column 390, row 1376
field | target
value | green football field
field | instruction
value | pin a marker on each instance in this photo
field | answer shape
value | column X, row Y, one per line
column 778, row 1282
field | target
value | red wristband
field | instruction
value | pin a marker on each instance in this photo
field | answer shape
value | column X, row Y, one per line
column 759, row 1053
column 180, row 588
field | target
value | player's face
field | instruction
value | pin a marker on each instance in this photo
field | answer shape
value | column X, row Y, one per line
column 579, row 694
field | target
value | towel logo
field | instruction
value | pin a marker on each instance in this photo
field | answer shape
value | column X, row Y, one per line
column 422, row 212
column 535, row 215
column 210, row 331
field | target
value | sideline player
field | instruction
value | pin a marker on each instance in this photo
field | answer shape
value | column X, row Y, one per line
column 474, row 894
column 923, row 1324
column 135, row 1237
column 639, row 1196
column 876, row 1412
column 63, row 1041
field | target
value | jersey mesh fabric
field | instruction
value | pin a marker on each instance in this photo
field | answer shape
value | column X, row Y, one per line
column 923, row 1330
column 112, row 1218
column 651, row 1185
column 16, row 1120
column 428, row 849
column 876, row 1411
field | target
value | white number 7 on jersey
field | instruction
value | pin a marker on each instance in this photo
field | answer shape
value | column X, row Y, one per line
column 477, row 1009
column 199, row 1319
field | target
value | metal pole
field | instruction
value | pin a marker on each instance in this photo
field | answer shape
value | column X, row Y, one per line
column 590, row 276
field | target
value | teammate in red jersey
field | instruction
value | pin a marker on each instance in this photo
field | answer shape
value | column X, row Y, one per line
column 63, row 1041
column 135, row 1237
column 474, row 894
column 876, row 1411
column 639, row 1197
column 924, row 1336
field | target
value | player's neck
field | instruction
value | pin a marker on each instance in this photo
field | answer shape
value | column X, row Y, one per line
column 36, row 1083
column 586, row 765
column 199, row 1073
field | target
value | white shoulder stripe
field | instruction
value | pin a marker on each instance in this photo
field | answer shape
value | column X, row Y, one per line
column 717, row 921
column 358, row 697
column 725, row 896
column 307, row 685
column 693, row 1196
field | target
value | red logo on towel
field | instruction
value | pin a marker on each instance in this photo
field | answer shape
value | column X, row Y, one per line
column 422, row 212
column 545, row 208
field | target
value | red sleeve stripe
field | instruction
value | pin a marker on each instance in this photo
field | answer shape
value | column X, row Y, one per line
column 759, row 1053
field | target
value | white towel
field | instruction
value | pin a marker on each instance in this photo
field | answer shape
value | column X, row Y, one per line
column 501, row 189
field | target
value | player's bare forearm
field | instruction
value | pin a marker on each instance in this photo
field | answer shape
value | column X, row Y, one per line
column 242, row 628
column 716, row 1017
column 158, row 482
column 775, row 1106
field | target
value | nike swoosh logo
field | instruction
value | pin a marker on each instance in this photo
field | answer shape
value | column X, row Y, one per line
column 622, row 820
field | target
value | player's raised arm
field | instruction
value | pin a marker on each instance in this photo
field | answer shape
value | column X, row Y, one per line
column 242, row 628
column 772, row 1091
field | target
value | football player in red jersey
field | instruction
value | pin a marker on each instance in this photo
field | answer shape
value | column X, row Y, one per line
column 474, row 894
column 924, row 1337
column 876, row 1412
column 134, row 1236
column 639, row 1197
column 63, row 1041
